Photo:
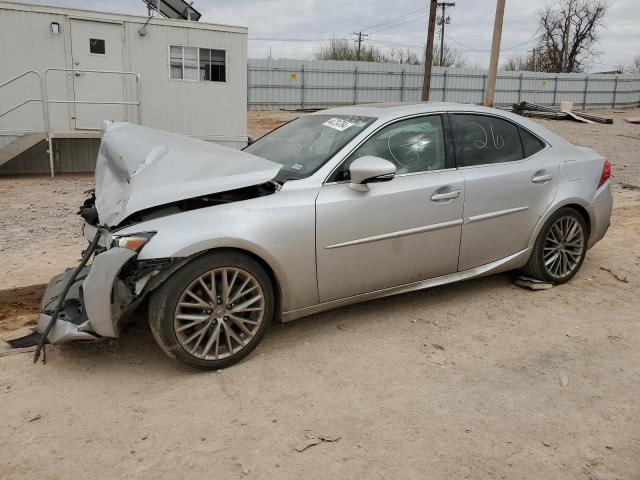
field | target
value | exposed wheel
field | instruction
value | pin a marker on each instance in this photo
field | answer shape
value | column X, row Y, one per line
column 560, row 247
column 213, row 311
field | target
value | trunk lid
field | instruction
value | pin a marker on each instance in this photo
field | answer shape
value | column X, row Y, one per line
column 140, row 167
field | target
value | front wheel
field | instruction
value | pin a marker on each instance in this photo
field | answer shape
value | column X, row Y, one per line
column 213, row 311
column 560, row 247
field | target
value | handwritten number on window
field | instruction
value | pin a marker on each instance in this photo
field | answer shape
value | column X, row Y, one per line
column 483, row 142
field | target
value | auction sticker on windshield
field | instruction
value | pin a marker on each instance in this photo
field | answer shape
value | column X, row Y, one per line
column 338, row 124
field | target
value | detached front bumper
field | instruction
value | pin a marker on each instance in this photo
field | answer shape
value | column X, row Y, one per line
column 94, row 303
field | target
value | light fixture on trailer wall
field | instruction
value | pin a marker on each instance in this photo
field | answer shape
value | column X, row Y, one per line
column 55, row 27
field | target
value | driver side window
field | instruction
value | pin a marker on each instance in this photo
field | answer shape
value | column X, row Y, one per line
column 413, row 145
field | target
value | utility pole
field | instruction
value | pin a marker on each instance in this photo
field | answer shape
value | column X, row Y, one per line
column 533, row 60
column 359, row 40
column 495, row 54
column 428, row 56
column 565, row 44
column 441, row 21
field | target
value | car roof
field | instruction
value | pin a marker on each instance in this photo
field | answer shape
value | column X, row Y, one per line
column 385, row 112
column 398, row 109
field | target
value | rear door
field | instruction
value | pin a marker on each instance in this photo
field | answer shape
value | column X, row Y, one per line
column 510, row 177
column 97, row 46
column 398, row 232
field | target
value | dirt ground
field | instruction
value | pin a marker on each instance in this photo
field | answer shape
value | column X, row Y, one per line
column 479, row 379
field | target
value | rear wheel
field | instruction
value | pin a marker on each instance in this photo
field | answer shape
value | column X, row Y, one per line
column 213, row 311
column 560, row 247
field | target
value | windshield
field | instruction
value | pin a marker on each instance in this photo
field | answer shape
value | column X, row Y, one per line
column 305, row 144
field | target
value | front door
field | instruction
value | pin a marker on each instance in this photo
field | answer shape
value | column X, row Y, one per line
column 398, row 232
column 510, row 178
column 97, row 46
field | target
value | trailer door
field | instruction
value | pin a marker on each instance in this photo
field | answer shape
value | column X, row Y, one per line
column 97, row 46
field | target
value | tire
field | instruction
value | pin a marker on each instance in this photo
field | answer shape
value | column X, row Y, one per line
column 560, row 247
column 233, row 327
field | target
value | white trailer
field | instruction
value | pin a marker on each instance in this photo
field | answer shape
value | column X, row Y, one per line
column 64, row 71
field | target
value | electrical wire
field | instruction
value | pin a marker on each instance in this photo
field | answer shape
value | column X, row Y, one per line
column 396, row 24
column 450, row 37
column 392, row 20
column 267, row 39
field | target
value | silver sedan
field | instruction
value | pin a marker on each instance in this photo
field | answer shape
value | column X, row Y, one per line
column 336, row 207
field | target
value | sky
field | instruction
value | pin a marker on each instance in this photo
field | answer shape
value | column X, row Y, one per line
column 296, row 28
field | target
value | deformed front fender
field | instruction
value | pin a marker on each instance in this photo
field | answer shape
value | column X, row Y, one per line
column 98, row 287
column 278, row 229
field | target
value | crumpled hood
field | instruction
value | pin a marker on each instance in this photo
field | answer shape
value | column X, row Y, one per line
column 140, row 167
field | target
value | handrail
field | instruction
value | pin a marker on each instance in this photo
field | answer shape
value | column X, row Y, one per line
column 76, row 71
column 20, row 76
column 47, row 101
column 45, row 122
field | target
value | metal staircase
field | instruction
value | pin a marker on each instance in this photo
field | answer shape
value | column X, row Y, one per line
column 19, row 145
column 15, row 141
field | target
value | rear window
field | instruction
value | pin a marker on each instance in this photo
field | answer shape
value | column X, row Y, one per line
column 487, row 140
column 530, row 143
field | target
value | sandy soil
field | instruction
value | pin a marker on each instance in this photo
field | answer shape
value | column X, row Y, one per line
column 474, row 380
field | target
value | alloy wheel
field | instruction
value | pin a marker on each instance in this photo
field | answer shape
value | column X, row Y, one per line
column 563, row 247
column 219, row 313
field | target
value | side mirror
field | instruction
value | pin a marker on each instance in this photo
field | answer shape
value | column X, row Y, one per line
column 370, row 169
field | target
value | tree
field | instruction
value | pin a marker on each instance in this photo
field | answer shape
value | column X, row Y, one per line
column 531, row 62
column 343, row 49
column 635, row 66
column 569, row 33
column 451, row 58
column 406, row 56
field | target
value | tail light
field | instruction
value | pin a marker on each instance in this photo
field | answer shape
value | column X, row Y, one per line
column 606, row 173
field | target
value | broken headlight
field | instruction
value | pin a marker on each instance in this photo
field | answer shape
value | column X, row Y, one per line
column 133, row 242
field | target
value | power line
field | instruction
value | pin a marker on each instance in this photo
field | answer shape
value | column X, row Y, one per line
column 375, row 25
column 267, row 39
column 396, row 24
column 506, row 49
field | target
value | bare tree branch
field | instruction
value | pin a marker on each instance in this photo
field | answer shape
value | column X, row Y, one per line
column 343, row 49
column 569, row 33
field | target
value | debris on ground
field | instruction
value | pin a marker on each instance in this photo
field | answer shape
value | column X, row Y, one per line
column 531, row 283
column 315, row 440
column 527, row 109
column 632, row 120
column 616, row 276
column 564, row 378
column 33, row 418
column 628, row 136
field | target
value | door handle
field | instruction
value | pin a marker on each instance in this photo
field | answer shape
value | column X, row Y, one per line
column 446, row 195
column 542, row 177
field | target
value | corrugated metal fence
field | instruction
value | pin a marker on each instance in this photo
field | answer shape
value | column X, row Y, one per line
column 312, row 84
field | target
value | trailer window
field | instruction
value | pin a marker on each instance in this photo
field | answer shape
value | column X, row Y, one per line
column 97, row 46
column 197, row 64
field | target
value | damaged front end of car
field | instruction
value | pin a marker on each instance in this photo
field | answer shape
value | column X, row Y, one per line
column 141, row 174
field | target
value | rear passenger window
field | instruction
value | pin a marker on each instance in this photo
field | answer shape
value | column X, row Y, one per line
column 487, row 140
column 530, row 143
